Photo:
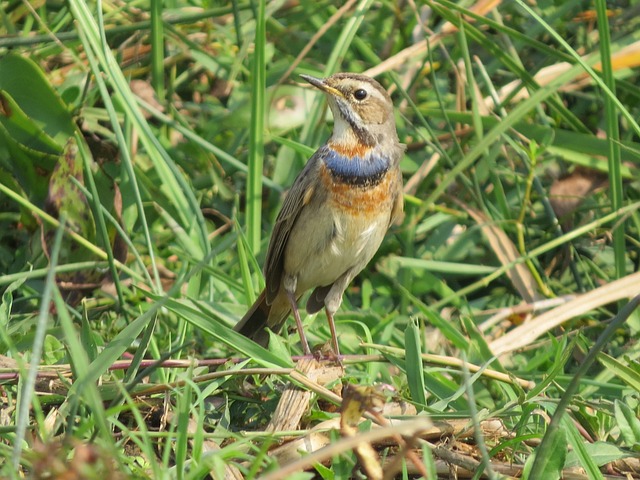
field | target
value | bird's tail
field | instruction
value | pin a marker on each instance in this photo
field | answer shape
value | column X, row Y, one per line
column 260, row 316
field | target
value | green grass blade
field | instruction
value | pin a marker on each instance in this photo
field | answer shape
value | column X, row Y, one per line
column 256, row 132
column 157, row 50
column 613, row 136
column 624, row 372
column 413, row 363
column 577, row 441
column 28, row 385
column 628, row 423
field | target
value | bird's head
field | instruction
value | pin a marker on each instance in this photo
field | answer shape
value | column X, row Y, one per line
column 361, row 108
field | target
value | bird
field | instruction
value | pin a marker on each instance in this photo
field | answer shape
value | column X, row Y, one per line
column 336, row 213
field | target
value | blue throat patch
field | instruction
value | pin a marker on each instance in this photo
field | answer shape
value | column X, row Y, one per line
column 360, row 171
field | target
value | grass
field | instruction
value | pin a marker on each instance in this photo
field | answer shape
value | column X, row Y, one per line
column 144, row 152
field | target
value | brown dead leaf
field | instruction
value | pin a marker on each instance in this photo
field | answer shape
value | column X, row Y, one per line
column 523, row 335
column 567, row 193
column 506, row 251
column 626, row 57
column 356, row 401
column 144, row 90
column 294, row 450
column 132, row 54
column 400, row 429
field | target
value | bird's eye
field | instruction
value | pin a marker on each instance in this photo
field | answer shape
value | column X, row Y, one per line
column 360, row 94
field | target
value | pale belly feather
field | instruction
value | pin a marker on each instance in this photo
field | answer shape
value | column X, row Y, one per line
column 352, row 243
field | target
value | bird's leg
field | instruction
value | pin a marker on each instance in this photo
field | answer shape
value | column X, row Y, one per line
column 334, row 335
column 332, row 302
column 296, row 315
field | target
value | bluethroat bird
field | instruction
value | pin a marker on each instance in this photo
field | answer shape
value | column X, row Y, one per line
column 337, row 212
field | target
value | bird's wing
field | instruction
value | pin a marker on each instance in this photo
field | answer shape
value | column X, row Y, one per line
column 397, row 210
column 300, row 194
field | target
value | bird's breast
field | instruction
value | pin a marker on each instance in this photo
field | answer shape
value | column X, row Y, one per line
column 362, row 196
column 355, row 164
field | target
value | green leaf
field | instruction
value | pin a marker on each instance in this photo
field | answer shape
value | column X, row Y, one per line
column 28, row 166
column 65, row 198
column 25, row 82
column 52, row 350
column 449, row 268
column 34, row 126
column 413, row 363
column 479, row 351
column 88, row 339
column 446, row 328
column 628, row 423
column 625, row 373
column 190, row 312
column 600, row 453
column 256, row 133
column 583, row 455
column 553, row 464
column 21, row 129
column 299, row 148
column 7, row 302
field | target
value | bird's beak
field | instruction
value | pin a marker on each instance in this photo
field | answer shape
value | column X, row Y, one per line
column 322, row 85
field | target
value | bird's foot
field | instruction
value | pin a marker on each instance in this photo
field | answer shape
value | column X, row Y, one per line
column 324, row 353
